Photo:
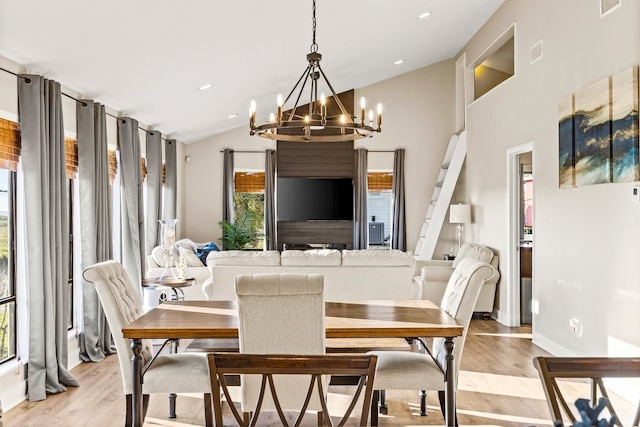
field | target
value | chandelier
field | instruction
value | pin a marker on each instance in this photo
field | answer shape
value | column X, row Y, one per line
column 308, row 123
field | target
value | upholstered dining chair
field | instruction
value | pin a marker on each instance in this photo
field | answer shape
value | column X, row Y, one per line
column 402, row 370
column 170, row 373
column 280, row 314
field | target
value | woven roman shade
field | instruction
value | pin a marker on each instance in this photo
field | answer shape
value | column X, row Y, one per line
column 249, row 182
column 113, row 166
column 9, row 144
column 143, row 165
column 71, row 157
column 379, row 181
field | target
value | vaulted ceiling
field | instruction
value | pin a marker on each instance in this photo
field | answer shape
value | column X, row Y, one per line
column 148, row 58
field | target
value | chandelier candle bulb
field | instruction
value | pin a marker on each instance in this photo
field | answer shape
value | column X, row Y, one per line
column 323, row 109
column 252, row 116
column 370, row 117
column 379, row 108
column 363, row 107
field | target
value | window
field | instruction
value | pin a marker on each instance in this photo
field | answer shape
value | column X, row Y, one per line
column 9, row 156
column 248, row 201
column 71, row 154
column 379, row 207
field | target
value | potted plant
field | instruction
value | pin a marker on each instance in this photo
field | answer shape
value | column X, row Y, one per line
column 240, row 232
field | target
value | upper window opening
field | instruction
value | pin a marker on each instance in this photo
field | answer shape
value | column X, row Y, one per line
column 496, row 65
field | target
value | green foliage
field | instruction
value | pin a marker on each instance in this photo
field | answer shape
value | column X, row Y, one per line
column 241, row 232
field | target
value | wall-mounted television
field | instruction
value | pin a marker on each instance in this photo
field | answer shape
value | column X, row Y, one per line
column 308, row 199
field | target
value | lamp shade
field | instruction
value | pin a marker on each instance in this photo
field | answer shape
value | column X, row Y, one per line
column 459, row 214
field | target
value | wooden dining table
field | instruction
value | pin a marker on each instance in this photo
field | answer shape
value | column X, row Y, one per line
column 354, row 319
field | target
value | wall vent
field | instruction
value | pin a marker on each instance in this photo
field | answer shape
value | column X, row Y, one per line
column 535, row 53
column 607, row 6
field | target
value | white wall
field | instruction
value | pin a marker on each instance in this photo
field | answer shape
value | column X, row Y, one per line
column 586, row 246
column 418, row 116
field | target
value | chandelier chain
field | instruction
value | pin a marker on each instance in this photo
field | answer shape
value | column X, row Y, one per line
column 314, row 45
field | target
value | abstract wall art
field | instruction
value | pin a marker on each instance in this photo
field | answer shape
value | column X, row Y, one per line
column 598, row 132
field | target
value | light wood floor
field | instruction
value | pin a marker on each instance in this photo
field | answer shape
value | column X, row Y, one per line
column 498, row 386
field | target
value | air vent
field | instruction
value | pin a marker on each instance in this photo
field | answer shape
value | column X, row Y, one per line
column 607, row 6
column 535, row 53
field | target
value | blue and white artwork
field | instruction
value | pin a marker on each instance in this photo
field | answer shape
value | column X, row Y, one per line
column 598, row 132
column 624, row 126
column 593, row 134
column 566, row 131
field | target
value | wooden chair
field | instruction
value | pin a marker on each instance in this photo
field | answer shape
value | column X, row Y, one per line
column 225, row 365
column 593, row 368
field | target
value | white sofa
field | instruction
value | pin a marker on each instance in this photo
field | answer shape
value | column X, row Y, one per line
column 349, row 275
column 435, row 274
column 195, row 268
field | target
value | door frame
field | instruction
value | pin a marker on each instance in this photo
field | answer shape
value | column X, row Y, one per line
column 514, row 191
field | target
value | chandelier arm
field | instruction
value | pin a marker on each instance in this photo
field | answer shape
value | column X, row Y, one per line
column 335, row 97
column 304, row 84
column 304, row 73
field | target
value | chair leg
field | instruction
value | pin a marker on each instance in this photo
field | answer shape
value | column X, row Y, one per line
column 442, row 406
column 128, row 417
column 423, row 403
column 382, row 403
column 208, row 413
column 172, row 406
column 374, row 407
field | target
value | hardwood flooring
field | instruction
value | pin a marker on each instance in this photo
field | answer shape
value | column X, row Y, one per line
column 498, row 386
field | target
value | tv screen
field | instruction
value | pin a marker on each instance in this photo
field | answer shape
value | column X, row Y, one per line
column 306, row 199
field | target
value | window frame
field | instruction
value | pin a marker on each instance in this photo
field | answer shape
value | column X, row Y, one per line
column 11, row 264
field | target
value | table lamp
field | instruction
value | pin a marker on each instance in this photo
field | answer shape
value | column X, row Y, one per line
column 459, row 214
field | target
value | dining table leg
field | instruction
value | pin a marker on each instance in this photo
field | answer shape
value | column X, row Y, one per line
column 136, row 391
column 450, row 385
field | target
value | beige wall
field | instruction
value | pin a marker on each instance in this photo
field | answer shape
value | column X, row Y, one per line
column 418, row 109
column 586, row 239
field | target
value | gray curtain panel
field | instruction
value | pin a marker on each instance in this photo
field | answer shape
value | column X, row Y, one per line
column 270, row 200
column 46, row 219
column 154, row 190
column 170, row 180
column 398, row 228
column 132, row 202
column 95, row 224
column 360, row 223
column 227, row 187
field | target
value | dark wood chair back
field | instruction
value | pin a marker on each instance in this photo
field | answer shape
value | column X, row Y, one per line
column 224, row 365
column 594, row 369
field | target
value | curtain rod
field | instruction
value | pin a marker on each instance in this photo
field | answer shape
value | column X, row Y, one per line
column 261, row 152
column 84, row 104
column 246, row 151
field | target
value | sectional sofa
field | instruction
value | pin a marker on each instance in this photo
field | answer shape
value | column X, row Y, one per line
column 349, row 275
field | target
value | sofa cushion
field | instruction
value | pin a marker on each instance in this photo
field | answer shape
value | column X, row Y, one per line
column 190, row 256
column 473, row 251
column 243, row 258
column 324, row 257
column 377, row 257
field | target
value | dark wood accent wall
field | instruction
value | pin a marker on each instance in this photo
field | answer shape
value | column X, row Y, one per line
column 315, row 159
column 315, row 232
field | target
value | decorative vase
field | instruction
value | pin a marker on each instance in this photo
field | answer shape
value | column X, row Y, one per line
column 168, row 241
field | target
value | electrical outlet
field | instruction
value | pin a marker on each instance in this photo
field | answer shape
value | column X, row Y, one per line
column 575, row 326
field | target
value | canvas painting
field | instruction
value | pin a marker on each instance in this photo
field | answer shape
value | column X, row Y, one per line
column 566, row 143
column 593, row 134
column 624, row 126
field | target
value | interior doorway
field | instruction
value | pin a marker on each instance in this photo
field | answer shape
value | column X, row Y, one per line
column 520, row 283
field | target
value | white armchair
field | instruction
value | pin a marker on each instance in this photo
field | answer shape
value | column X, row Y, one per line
column 434, row 276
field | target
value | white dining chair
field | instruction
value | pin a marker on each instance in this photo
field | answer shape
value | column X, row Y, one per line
column 280, row 314
column 168, row 373
column 402, row 370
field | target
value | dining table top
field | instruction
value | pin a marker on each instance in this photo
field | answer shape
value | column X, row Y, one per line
column 353, row 319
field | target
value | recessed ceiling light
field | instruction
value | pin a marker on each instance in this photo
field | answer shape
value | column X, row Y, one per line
column 424, row 15
column 398, row 62
column 205, row 87
column 232, row 116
